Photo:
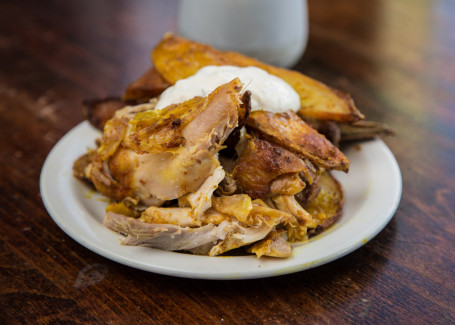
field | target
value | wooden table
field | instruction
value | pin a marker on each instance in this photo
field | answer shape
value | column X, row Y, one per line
column 396, row 58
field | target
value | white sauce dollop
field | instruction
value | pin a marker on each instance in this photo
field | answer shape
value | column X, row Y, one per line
column 268, row 92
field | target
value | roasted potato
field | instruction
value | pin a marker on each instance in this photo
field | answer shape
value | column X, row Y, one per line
column 176, row 58
column 147, row 86
column 327, row 207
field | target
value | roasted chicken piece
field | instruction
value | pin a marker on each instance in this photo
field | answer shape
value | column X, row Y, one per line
column 236, row 235
column 161, row 155
column 238, row 206
column 262, row 163
column 287, row 184
column 211, row 216
column 274, row 245
column 291, row 132
column 288, row 204
column 229, row 151
column 177, row 230
column 262, row 220
column 182, row 217
column 299, row 230
column 163, row 236
column 201, row 200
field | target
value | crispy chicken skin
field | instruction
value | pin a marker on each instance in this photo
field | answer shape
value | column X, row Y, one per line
column 262, row 162
column 287, row 184
column 238, row 206
column 163, row 155
column 274, row 245
column 201, row 200
column 291, row 132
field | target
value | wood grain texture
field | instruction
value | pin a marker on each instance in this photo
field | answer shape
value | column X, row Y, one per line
column 396, row 58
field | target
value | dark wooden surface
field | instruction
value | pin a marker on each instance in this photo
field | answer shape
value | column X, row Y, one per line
column 396, row 58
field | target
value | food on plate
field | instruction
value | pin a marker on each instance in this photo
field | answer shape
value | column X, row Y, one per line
column 292, row 132
column 147, row 86
column 212, row 151
column 176, row 58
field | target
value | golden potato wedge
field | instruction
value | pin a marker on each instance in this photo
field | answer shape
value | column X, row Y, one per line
column 327, row 207
column 147, row 86
column 176, row 58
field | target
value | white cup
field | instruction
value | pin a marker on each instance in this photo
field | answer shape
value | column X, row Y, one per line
column 273, row 31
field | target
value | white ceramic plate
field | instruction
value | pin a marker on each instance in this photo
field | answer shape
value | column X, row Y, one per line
column 372, row 193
